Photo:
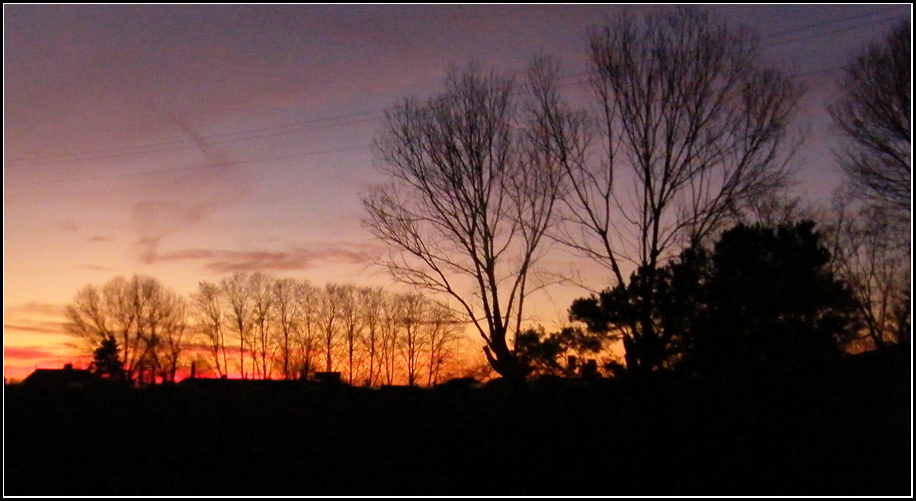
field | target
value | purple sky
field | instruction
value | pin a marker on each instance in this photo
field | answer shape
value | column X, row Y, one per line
column 188, row 142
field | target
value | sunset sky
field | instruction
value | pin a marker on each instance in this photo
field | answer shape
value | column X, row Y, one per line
column 189, row 142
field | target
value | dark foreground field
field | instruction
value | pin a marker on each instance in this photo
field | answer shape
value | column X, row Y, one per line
column 846, row 431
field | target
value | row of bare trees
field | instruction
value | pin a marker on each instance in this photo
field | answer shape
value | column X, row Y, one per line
column 256, row 326
column 264, row 327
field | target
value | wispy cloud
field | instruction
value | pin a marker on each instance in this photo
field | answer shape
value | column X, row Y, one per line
column 27, row 352
column 34, row 317
column 156, row 220
column 99, row 238
column 183, row 199
column 300, row 258
column 94, row 267
column 34, row 308
column 36, row 327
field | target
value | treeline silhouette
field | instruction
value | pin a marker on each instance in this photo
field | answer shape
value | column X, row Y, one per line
column 761, row 299
column 843, row 430
column 252, row 325
column 750, row 392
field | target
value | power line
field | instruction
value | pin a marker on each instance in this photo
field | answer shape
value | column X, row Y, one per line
column 833, row 32
column 828, row 23
column 271, row 159
column 298, row 127
column 293, row 128
column 334, row 121
column 205, row 166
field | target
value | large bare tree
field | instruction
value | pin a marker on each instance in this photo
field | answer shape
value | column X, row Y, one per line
column 263, row 340
column 167, row 329
column 208, row 307
column 330, row 320
column 474, row 182
column 441, row 337
column 147, row 319
column 309, row 302
column 238, row 296
column 874, row 116
column 695, row 131
column 98, row 313
column 389, row 339
column 873, row 251
column 352, row 322
column 288, row 320
column 372, row 300
column 870, row 253
column 413, row 309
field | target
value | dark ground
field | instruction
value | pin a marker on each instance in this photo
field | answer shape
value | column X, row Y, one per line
column 842, row 431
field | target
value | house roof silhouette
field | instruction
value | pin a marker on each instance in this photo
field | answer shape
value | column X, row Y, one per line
column 68, row 377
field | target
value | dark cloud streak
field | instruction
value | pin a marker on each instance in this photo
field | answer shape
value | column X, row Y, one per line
column 26, row 353
column 189, row 197
column 37, row 327
column 34, row 308
column 95, row 267
column 301, row 258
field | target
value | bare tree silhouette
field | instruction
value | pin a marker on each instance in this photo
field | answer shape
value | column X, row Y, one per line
column 874, row 115
column 208, row 305
column 695, row 130
column 475, row 178
column 147, row 319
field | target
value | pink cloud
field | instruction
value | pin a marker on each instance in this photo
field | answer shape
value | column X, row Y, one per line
column 37, row 327
column 93, row 267
column 26, row 352
column 34, row 308
column 224, row 261
column 182, row 199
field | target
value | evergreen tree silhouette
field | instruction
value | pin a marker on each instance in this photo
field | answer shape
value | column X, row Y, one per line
column 106, row 362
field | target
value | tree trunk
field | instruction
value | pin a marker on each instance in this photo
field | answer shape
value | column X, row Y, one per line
column 503, row 361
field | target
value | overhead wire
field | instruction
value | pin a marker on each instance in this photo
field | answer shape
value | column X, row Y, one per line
column 261, row 133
